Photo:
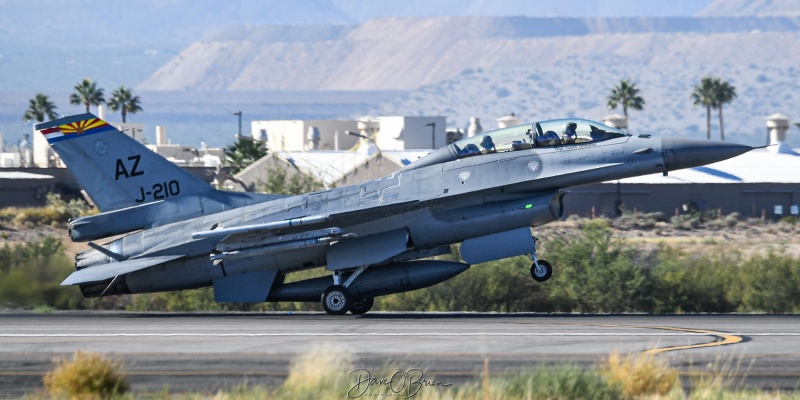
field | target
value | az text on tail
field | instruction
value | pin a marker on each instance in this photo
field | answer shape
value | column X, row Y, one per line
column 115, row 170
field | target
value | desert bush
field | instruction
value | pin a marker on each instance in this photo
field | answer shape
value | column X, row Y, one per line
column 597, row 272
column 322, row 372
column 692, row 284
column 563, row 381
column 30, row 274
column 769, row 284
column 86, row 376
column 641, row 374
column 56, row 212
column 685, row 222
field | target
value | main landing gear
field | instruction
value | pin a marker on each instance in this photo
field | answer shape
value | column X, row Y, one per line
column 541, row 270
column 337, row 300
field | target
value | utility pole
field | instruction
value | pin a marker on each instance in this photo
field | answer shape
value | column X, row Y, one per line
column 433, row 134
column 239, row 113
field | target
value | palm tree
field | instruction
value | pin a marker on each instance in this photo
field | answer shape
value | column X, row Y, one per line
column 626, row 94
column 122, row 99
column 243, row 153
column 39, row 108
column 724, row 93
column 704, row 94
column 87, row 93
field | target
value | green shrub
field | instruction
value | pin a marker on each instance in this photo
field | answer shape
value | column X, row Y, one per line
column 564, row 381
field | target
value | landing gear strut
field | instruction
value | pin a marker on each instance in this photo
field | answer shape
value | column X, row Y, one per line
column 541, row 270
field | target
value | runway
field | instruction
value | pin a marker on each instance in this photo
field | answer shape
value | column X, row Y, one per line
column 205, row 352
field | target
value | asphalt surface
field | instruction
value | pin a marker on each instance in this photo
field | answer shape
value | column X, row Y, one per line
column 207, row 352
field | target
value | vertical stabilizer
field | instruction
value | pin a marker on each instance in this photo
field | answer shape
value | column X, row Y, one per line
column 115, row 170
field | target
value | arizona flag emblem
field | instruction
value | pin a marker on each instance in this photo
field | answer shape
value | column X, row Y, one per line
column 74, row 129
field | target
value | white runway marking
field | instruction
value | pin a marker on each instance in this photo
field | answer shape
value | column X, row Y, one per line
column 362, row 334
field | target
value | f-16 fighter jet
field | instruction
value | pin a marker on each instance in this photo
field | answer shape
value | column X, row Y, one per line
column 377, row 238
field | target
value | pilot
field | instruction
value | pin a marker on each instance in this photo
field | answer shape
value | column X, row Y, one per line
column 487, row 145
column 549, row 138
column 570, row 133
column 468, row 150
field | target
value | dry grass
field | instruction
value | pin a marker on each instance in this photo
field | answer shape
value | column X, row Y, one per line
column 86, row 376
column 321, row 373
column 324, row 373
column 641, row 374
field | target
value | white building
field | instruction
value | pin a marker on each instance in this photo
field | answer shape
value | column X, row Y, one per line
column 292, row 135
column 388, row 133
column 185, row 156
column 406, row 133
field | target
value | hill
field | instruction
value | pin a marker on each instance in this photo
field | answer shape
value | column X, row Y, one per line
column 405, row 53
column 536, row 67
column 754, row 8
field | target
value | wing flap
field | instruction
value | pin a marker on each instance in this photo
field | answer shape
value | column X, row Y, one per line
column 110, row 270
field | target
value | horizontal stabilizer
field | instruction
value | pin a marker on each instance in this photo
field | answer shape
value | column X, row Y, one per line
column 110, row 270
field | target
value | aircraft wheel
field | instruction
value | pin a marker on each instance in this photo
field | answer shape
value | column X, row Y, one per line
column 336, row 300
column 362, row 306
column 542, row 272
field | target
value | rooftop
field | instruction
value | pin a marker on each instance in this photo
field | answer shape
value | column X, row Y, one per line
column 756, row 166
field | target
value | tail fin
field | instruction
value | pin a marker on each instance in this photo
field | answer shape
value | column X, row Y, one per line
column 114, row 169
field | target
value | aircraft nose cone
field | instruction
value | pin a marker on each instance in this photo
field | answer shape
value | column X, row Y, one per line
column 687, row 153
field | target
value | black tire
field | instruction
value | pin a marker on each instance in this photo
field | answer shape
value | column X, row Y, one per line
column 538, row 276
column 336, row 300
column 362, row 306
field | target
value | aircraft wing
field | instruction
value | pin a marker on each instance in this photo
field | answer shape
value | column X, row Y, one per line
column 298, row 224
column 110, row 270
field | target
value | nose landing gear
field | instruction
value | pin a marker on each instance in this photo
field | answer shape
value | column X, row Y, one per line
column 541, row 270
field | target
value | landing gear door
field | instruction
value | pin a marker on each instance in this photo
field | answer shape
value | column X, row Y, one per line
column 367, row 250
column 498, row 246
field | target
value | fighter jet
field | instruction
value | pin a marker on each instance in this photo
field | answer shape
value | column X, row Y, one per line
column 376, row 238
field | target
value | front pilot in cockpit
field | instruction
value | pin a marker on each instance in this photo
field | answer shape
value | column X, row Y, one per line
column 487, row 145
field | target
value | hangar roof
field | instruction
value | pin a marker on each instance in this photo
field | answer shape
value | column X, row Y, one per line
column 22, row 175
column 756, row 166
column 330, row 166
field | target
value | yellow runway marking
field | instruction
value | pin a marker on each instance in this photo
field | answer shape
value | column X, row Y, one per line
column 723, row 338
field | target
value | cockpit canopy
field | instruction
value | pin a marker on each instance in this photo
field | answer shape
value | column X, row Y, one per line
column 557, row 132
